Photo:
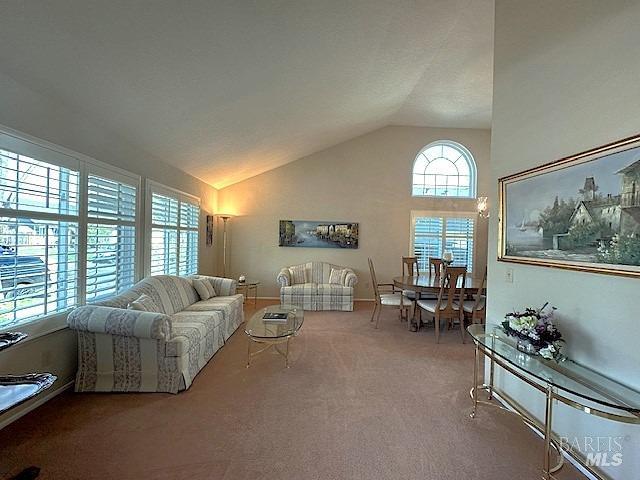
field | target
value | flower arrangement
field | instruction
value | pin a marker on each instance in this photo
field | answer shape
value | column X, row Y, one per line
column 536, row 328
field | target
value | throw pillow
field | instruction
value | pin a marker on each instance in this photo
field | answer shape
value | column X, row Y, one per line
column 144, row 303
column 298, row 274
column 336, row 277
column 204, row 288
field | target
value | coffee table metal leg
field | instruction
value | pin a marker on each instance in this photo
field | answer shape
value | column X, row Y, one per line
column 286, row 358
column 248, row 352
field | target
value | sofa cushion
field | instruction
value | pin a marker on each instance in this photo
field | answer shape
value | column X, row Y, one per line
column 144, row 303
column 298, row 275
column 204, row 288
column 229, row 306
column 202, row 331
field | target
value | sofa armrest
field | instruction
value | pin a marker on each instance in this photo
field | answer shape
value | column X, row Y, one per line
column 223, row 286
column 120, row 321
column 284, row 277
column 350, row 278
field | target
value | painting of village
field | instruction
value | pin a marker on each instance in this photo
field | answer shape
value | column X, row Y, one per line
column 585, row 213
column 301, row 233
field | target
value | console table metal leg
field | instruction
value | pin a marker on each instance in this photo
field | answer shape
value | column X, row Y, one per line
column 547, row 434
column 491, row 368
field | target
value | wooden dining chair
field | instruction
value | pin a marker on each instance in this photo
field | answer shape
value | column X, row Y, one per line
column 475, row 310
column 435, row 265
column 447, row 305
column 410, row 264
column 386, row 296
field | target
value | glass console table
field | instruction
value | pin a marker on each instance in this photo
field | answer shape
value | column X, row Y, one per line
column 566, row 382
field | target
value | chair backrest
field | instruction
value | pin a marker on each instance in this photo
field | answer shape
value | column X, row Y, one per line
column 435, row 264
column 411, row 264
column 481, row 303
column 447, row 296
column 373, row 279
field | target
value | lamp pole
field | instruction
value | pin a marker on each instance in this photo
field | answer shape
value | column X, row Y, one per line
column 224, row 218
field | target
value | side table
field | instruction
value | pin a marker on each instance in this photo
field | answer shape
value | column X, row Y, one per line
column 246, row 287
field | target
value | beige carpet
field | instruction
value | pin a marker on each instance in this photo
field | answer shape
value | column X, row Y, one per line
column 357, row 403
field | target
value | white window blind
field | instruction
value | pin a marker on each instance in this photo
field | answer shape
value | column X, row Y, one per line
column 433, row 235
column 38, row 231
column 173, row 249
column 111, row 236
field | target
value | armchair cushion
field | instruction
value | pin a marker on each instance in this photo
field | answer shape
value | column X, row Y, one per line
column 337, row 276
column 298, row 274
column 284, row 278
column 120, row 321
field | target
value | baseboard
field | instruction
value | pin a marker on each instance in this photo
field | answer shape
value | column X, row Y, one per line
column 33, row 404
column 278, row 298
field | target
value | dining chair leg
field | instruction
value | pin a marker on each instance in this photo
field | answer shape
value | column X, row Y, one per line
column 461, row 320
column 378, row 316
column 436, row 321
column 373, row 314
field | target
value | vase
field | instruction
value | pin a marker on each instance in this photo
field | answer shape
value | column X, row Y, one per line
column 526, row 347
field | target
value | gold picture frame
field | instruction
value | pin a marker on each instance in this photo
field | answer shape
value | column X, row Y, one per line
column 570, row 214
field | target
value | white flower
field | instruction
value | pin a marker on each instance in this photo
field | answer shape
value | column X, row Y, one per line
column 546, row 352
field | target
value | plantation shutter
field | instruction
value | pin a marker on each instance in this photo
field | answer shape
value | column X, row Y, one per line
column 174, row 232
column 433, row 235
column 111, row 236
column 459, row 241
column 39, row 218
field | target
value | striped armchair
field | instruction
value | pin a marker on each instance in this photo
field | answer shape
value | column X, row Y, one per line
column 317, row 286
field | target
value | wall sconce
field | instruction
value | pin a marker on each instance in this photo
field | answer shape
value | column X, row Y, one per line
column 483, row 207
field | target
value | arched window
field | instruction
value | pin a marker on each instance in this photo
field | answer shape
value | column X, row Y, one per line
column 444, row 169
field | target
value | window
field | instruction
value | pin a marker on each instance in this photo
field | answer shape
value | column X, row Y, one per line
column 111, row 234
column 444, row 169
column 173, row 248
column 433, row 234
column 39, row 231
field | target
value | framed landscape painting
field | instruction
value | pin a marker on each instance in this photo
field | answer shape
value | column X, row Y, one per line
column 312, row 234
column 581, row 212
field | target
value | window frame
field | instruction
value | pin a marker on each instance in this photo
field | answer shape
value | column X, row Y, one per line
column 471, row 163
column 445, row 215
column 152, row 187
column 48, row 152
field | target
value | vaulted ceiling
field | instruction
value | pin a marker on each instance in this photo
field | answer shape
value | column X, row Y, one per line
column 229, row 89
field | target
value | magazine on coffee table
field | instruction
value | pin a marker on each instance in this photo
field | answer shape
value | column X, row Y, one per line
column 276, row 317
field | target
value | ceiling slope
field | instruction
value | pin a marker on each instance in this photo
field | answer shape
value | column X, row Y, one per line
column 226, row 90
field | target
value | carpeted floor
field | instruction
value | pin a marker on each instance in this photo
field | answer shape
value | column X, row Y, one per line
column 357, row 403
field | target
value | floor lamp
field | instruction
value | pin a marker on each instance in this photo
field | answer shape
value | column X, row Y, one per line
column 224, row 218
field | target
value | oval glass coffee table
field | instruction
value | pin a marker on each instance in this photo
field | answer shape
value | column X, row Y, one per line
column 285, row 321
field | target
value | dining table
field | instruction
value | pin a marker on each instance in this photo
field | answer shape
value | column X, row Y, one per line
column 430, row 285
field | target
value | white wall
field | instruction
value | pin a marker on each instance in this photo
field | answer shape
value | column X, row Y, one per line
column 366, row 180
column 567, row 78
column 28, row 112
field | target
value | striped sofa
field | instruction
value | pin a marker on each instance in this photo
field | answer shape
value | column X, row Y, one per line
column 307, row 286
column 122, row 350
